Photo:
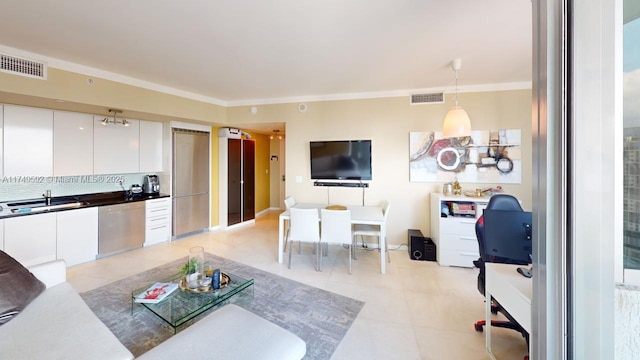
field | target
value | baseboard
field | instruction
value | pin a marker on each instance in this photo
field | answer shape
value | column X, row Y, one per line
column 242, row 224
column 391, row 247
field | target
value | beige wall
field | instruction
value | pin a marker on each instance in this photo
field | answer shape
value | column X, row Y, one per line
column 79, row 95
column 215, row 181
column 387, row 122
column 263, row 179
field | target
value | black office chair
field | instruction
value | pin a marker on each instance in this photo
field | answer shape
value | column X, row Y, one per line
column 497, row 202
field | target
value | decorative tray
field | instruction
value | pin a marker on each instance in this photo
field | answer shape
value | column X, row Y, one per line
column 473, row 194
column 224, row 282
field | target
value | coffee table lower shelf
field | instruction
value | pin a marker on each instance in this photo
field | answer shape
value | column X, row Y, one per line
column 180, row 307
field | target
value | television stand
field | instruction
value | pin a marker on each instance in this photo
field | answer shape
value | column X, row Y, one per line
column 342, row 184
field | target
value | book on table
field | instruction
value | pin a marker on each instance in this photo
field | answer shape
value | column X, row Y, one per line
column 156, row 293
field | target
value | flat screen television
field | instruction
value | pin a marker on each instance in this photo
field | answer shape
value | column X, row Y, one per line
column 507, row 234
column 341, row 160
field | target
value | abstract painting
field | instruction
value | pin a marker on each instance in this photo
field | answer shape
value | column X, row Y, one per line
column 487, row 156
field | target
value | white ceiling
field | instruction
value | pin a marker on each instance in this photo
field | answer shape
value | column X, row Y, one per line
column 255, row 51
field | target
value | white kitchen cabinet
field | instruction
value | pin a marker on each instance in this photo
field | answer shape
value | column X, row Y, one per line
column 116, row 148
column 2, row 234
column 453, row 230
column 1, row 136
column 77, row 235
column 150, row 146
column 72, row 143
column 28, row 141
column 31, row 239
column 158, row 221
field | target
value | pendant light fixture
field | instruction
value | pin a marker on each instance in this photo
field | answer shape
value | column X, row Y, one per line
column 456, row 122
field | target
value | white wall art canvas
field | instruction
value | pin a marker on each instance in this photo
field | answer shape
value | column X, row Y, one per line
column 487, row 156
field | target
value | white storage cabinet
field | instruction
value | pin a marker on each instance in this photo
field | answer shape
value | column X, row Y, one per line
column 150, row 146
column 77, row 235
column 116, row 148
column 1, row 138
column 454, row 233
column 72, row 143
column 31, row 239
column 28, row 141
column 2, row 234
column 158, row 221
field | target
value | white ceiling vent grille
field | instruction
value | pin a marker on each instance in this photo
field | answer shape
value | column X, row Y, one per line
column 21, row 66
column 432, row 98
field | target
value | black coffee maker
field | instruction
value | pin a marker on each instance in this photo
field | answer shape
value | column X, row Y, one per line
column 151, row 185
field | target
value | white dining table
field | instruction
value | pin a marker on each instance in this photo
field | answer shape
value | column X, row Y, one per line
column 371, row 215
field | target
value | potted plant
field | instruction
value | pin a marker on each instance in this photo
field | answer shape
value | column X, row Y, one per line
column 190, row 267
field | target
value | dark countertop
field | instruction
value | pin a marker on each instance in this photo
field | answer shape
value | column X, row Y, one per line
column 9, row 209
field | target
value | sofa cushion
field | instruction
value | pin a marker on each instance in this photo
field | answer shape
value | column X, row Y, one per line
column 58, row 324
column 230, row 333
column 18, row 287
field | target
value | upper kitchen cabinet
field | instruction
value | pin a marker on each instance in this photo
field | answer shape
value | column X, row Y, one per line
column 28, row 141
column 1, row 147
column 116, row 147
column 72, row 143
column 150, row 146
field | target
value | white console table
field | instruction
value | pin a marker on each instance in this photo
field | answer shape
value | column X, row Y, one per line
column 454, row 234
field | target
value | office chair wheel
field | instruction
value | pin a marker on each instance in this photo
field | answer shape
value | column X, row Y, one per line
column 478, row 327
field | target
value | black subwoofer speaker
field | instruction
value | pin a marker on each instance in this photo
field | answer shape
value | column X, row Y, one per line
column 420, row 247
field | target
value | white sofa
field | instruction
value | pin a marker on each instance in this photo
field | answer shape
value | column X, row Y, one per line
column 58, row 324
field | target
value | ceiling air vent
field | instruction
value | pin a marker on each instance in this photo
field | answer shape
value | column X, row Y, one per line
column 432, row 98
column 21, row 66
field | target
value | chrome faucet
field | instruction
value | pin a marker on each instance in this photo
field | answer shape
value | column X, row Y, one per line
column 47, row 197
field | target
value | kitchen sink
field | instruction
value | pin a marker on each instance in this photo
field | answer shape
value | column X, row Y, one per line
column 27, row 203
column 40, row 206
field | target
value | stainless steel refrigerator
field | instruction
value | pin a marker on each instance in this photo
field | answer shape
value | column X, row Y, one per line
column 190, row 181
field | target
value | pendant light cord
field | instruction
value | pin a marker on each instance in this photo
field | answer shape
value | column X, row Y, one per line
column 456, row 97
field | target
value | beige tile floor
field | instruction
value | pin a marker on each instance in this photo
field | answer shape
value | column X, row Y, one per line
column 418, row 310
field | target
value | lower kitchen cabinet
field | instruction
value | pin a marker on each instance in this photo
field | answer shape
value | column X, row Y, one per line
column 2, row 234
column 77, row 234
column 31, row 239
column 158, row 221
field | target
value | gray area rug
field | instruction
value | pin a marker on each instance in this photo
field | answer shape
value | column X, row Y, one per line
column 317, row 316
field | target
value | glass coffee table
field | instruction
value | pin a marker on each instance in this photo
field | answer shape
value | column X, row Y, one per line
column 183, row 305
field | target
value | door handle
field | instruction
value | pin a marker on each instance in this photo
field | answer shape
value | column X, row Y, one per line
column 282, row 177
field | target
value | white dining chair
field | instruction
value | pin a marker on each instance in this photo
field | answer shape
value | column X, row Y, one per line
column 289, row 202
column 335, row 229
column 374, row 230
column 305, row 227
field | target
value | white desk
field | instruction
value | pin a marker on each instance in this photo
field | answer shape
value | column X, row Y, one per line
column 371, row 215
column 512, row 290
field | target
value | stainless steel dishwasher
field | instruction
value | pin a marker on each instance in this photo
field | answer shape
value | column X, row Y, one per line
column 121, row 228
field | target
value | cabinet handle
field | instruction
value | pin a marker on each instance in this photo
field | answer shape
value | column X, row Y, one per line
column 158, row 227
column 467, row 222
column 468, row 238
column 463, row 253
